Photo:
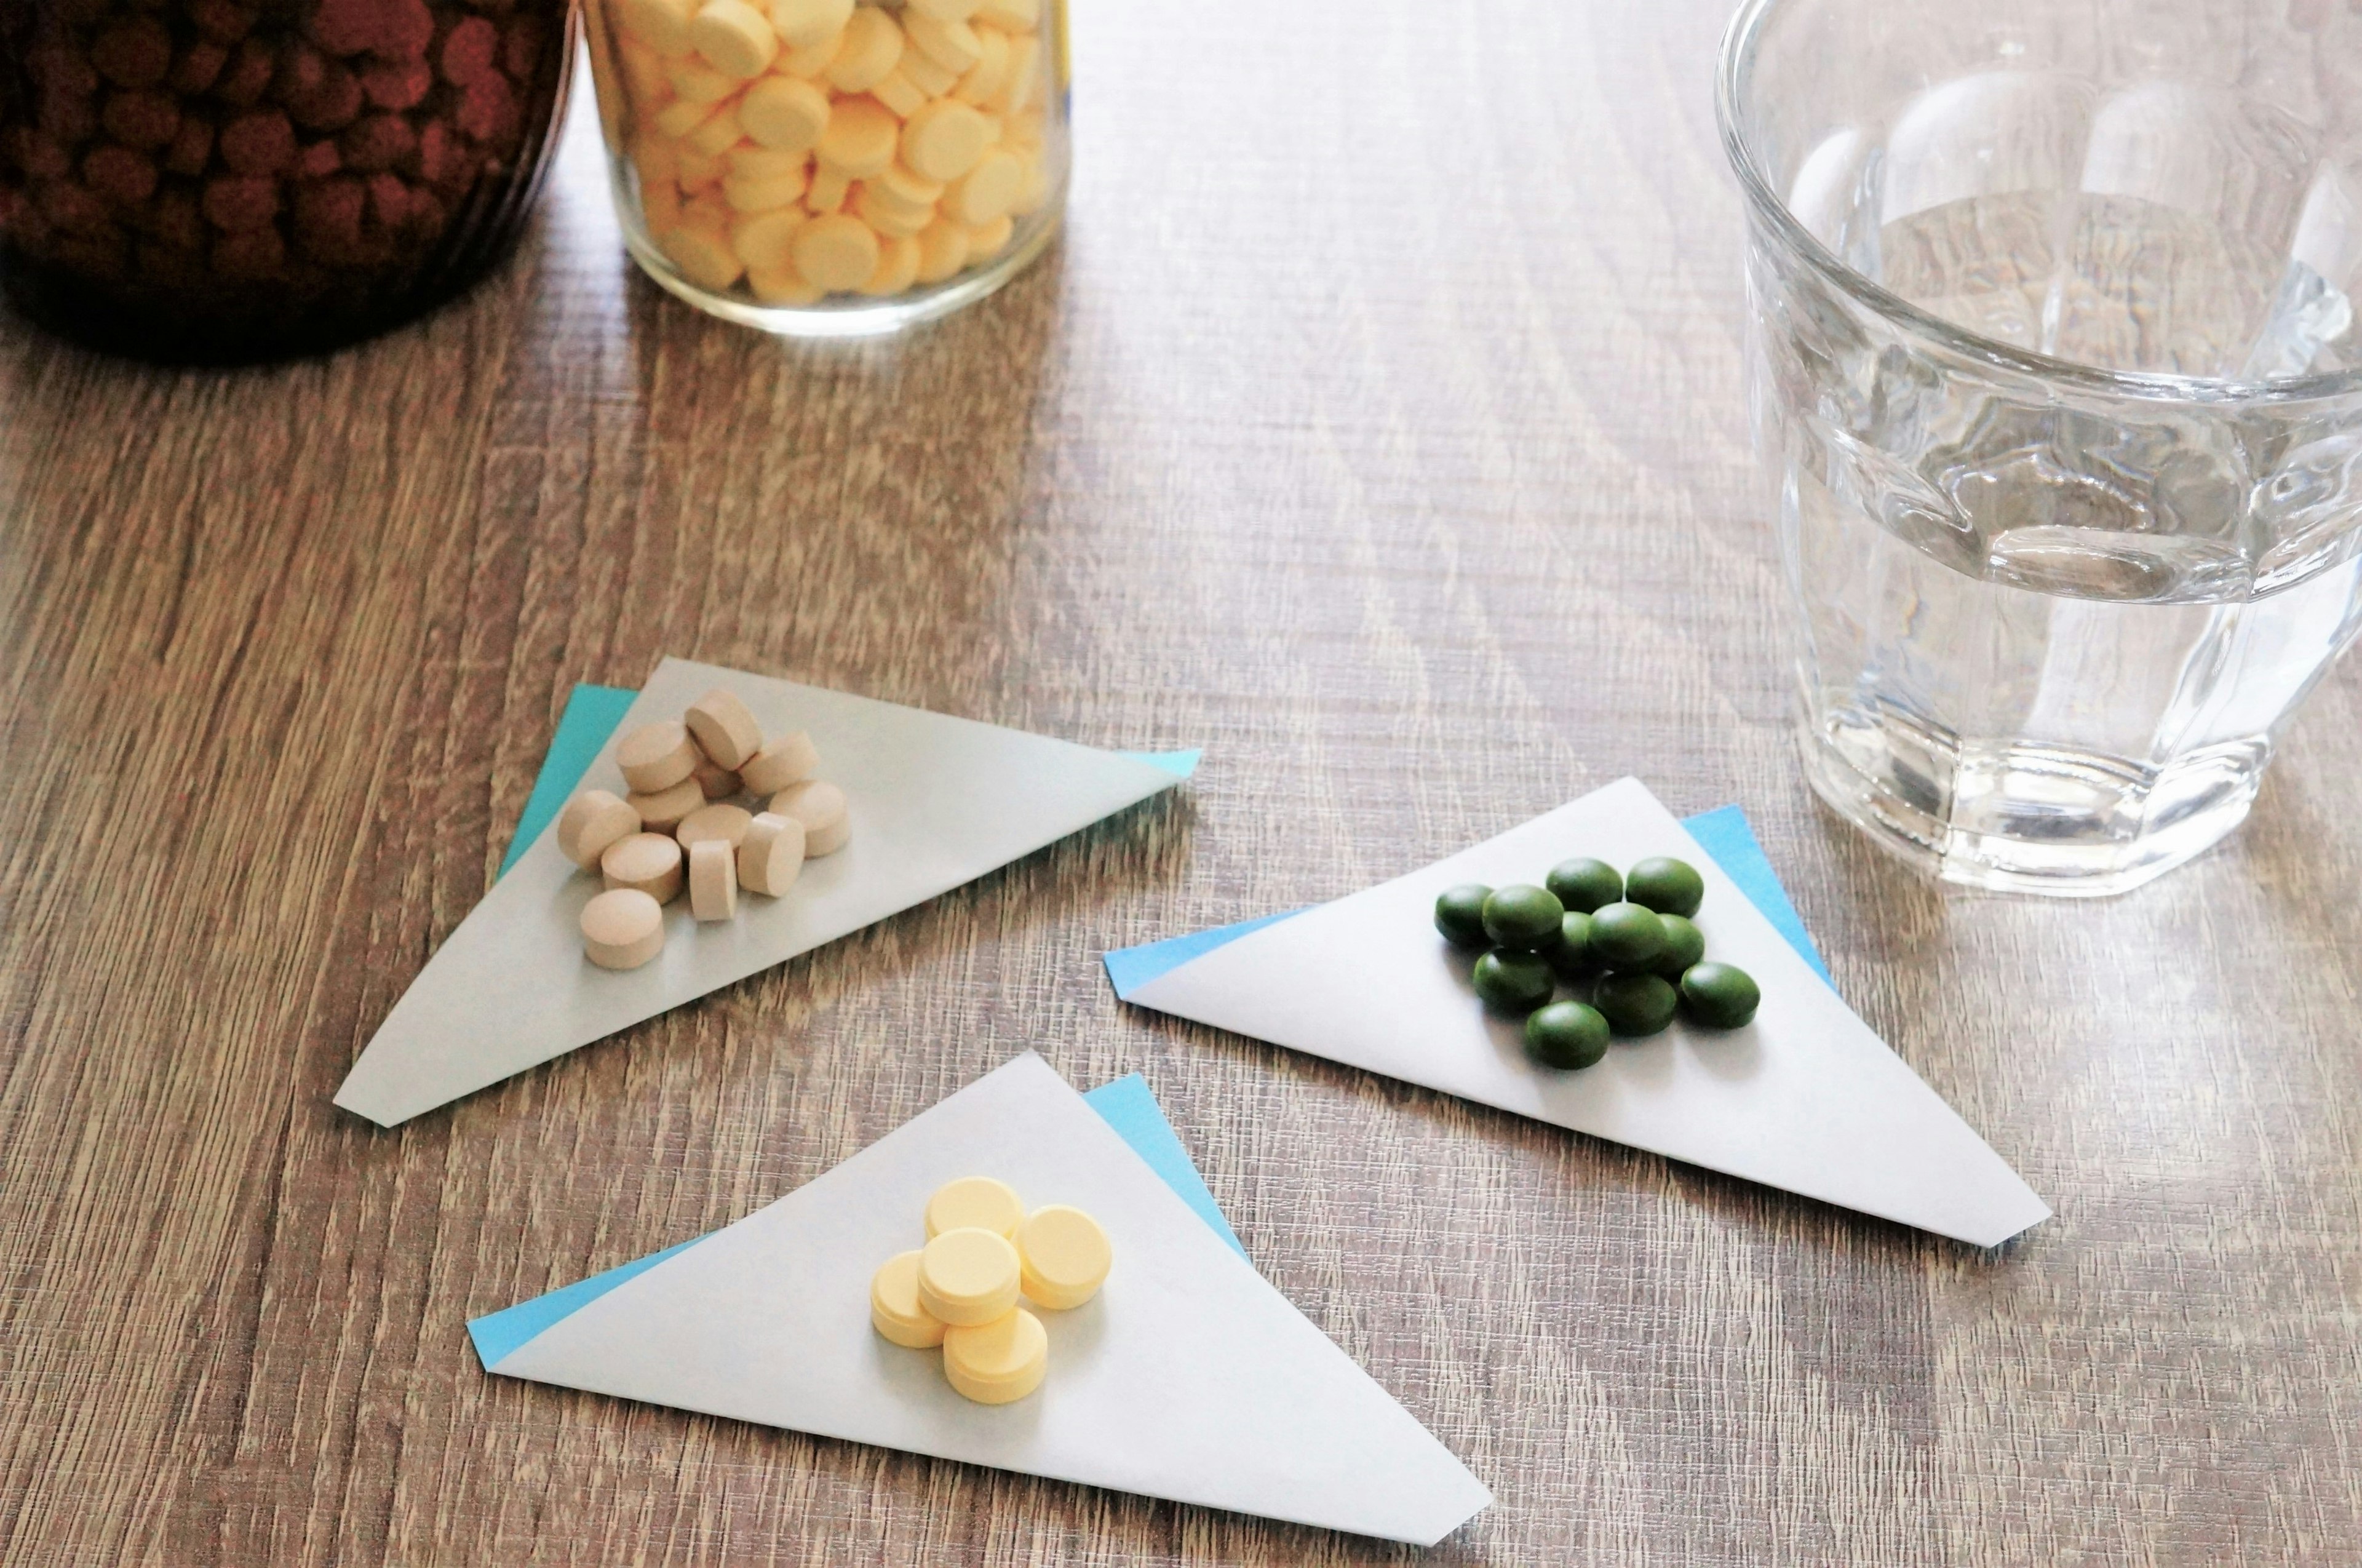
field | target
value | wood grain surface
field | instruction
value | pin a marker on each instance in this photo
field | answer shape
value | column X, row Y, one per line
column 1377, row 428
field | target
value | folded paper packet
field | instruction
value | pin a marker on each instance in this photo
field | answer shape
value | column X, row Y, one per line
column 1187, row 1377
column 1806, row 1098
column 935, row 802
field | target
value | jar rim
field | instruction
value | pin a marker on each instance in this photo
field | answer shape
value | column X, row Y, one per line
column 1733, row 73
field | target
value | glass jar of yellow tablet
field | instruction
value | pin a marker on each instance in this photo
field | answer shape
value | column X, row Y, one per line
column 826, row 167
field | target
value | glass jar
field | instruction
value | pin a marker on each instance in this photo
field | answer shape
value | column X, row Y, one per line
column 823, row 167
column 235, row 180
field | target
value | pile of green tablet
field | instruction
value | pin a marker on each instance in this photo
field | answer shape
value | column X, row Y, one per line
column 1626, row 945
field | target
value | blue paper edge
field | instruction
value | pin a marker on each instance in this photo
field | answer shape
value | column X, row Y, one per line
column 1127, row 1105
column 1722, row 832
column 590, row 716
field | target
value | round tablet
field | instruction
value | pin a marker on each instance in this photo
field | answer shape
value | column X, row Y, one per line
column 1635, row 1004
column 986, row 191
column 784, row 114
column 944, row 10
column 1062, row 1255
column 1566, row 1036
column 820, row 806
column 998, row 1363
column 790, row 760
column 665, row 810
column 723, row 728
column 720, row 820
column 1585, row 884
column 977, row 1201
column 968, row 1276
column 715, row 781
column 1626, row 936
column 1513, row 982
column 656, row 757
column 860, row 140
column 735, row 39
column 1720, row 996
column 835, row 252
column 770, row 855
column 802, row 23
column 866, row 50
column 894, row 1309
column 1666, row 885
column 1684, row 945
column 647, row 862
column 1523, row 916
column 945, row 140
column 1459, row 915
column 712, row 880
column 621, row 929
column 591, row 822
column 1572, row 957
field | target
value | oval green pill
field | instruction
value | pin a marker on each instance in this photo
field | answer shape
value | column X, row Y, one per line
column 1626, row 936
column 1513, row 982
column 1684, row 945
column 1585, row 884
column 1572, row 957
column 1523, row 916
column 1720, row 996
column 1636, row 1004
column 1566, row 1036
column 1667, row 886
column 1459, row 914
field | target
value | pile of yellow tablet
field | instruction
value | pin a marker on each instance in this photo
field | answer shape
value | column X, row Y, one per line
column 960, row 1290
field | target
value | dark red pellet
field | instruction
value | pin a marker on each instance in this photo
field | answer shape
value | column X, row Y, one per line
column 488, row 109
column 141, row 119
column 397, row 84
column 521, row 47
column 379, row 141
column 346, row 27
column 120, row 176
column 72, row 208
column 175, row 220
column 248, row 76
column 249, row 257
column 133, row 53
column 405, row 29
column 437, row 154
column 468, row 51
column 236, row 203
column 318, row 161
column 328, row 219
column 261, row 142
column 192, row 149
column 198, row 67
column 390, row 203
column 39, row 156
column 332, row 105
column 224, row 21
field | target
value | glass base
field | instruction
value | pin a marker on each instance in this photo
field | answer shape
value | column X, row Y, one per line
column 861, row 318
column 2025, row 817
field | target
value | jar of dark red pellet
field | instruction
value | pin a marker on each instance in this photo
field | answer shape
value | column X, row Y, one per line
column 227, row 179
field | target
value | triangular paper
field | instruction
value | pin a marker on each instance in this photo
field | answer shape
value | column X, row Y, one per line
column 1806, row 1098
column 1188, row 1377
column 935, row 802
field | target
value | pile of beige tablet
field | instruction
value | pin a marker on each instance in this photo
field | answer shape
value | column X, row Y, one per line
column 679, row 828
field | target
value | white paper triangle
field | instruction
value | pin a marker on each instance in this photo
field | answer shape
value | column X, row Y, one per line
column 1188, row 1377
column 1806, row 1098
column 935, row 802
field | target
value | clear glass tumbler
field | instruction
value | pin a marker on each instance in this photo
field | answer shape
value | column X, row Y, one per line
column 825, row 168
column 2056, row 373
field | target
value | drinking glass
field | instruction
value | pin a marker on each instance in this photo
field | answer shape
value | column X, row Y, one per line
column 2056, row 378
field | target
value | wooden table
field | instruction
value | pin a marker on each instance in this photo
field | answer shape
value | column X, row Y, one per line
column 1377, row 428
